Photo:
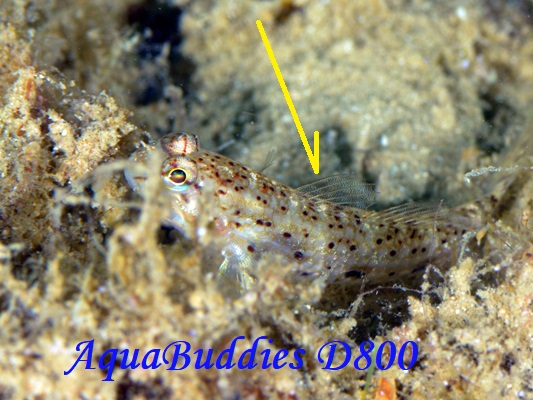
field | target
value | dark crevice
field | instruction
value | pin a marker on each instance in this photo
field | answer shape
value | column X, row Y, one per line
column 507, row 362
column 286, row 9
column 498, row 116
column 237, row 129
column 167, row 235
column 152, row 388
column 380, row 310
column 159, row 25
column 379, row 316
column 342, row 147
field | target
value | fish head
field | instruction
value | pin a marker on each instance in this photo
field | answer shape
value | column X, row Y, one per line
column 179, row 170
column 179, row 173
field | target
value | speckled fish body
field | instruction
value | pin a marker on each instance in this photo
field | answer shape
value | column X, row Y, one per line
column 254, row 214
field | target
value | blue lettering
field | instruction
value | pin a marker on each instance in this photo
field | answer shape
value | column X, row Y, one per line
column 177, row 354
column 331, row 356
column 299, row 361
column 228, row 364
column 124, row 363
column 208, row 364
column 414, row 355
column 109, row 365
column 379, row 355
column 154, row 364
column 266, row 354
column 251, row 352
column 280, row 355
column 365, row 354
column 88, row 347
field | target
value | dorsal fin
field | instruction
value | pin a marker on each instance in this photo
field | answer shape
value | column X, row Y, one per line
column 340, row 189
column 426, row 214
column 412, row 213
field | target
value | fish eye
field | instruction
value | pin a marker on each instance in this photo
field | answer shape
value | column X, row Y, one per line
column 178, row 176
column 179, row 173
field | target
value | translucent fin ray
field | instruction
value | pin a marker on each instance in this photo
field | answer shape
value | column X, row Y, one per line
column 269, row 160
column 340, row 189
column 422, row 214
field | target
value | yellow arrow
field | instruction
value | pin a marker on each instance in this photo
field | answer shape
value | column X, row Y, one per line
column 314, row 159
